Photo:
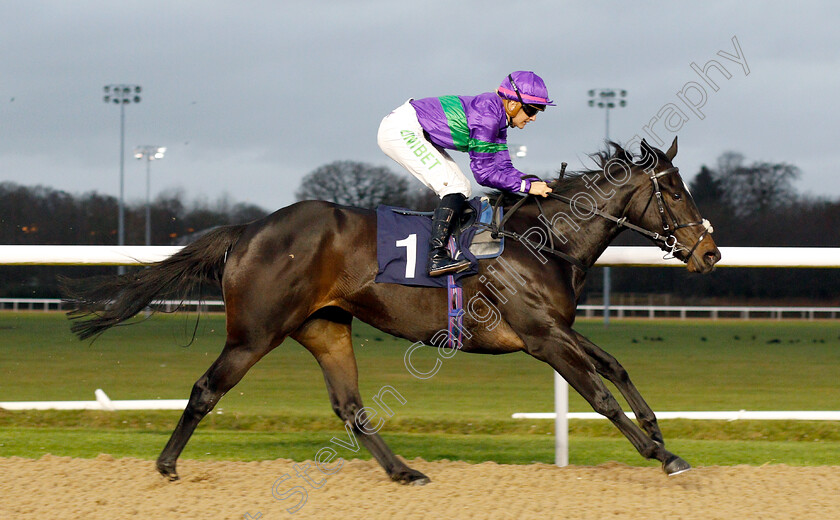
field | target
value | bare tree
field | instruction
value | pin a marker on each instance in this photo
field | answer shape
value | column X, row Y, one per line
column 423, row 199
column 756, row 188
column 354, row 184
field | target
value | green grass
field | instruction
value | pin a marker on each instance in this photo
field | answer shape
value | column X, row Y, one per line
column 280, row 409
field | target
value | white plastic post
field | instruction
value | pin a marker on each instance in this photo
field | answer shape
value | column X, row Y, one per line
column 103, row 400
column 561, row 421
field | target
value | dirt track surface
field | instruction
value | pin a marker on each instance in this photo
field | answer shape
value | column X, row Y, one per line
column 57, row 488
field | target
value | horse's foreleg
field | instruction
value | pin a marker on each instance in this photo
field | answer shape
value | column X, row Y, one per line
column 223, row 374
column 610, row 368
column 564, row 353
column 331, row 344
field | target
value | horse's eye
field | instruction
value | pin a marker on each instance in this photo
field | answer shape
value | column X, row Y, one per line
column 677, row 196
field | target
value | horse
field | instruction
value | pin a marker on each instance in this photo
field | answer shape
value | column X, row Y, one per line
column 308, row 269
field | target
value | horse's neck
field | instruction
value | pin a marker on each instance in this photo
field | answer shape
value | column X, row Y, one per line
column 586, row 237
column 591, row 239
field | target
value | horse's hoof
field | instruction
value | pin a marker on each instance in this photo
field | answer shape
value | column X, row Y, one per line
column 675, row 466
column 168, row 471
column 171, row 477
column 411, row 477
column 420, row 481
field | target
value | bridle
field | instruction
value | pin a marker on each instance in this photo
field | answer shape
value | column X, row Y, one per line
column 666, row 240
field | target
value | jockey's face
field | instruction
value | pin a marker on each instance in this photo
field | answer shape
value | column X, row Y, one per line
column 518, row 117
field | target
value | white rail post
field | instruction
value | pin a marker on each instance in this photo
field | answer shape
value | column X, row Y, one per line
column 561, row 421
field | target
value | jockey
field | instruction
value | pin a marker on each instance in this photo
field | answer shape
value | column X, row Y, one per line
column 418, row 133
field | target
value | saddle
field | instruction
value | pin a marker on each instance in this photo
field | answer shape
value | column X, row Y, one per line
column 403, row 241
column 487, row 219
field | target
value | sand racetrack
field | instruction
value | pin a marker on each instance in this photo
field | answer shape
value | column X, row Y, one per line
column 58, row 488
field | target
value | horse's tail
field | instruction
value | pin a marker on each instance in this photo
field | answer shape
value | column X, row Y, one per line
column 104, row 301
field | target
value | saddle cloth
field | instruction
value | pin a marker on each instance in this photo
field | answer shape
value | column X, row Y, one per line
column 402, row 243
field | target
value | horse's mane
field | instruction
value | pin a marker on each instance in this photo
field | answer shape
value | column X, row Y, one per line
column 574, row 181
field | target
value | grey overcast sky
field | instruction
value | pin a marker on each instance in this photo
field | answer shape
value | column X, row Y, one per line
column 250, row 96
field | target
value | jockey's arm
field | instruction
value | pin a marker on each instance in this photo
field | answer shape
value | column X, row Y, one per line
column 496, row 170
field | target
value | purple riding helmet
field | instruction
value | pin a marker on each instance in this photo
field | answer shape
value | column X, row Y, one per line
column 526, row 87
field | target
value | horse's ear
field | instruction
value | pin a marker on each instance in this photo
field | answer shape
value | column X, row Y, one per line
column 672, row 151
column 648, row 160
column 626, row 156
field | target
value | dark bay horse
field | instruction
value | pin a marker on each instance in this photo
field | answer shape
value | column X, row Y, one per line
column 308, row 269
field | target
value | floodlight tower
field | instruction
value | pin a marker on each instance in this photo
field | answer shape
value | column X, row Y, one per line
column 122, row 95
column 607, row 98
column 150, row 153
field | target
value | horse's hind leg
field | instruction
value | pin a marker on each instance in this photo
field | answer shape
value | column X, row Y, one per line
column 228, row 369
column 330, row 341
column 611, row 369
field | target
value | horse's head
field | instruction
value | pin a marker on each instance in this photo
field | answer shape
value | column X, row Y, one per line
column 662, row 204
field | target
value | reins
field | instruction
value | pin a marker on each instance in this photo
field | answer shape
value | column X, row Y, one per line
column 497, row 231
column 667, row 241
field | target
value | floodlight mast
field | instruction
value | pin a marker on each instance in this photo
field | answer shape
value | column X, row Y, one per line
column 607, row 98
column 150, row 153
column 122, row 95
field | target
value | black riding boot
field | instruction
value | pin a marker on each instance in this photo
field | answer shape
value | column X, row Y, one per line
column 447, row 212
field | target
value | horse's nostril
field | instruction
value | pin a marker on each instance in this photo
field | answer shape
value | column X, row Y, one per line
column 712, row 257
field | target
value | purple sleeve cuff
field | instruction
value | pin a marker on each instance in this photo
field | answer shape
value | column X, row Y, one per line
column 525, row 186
